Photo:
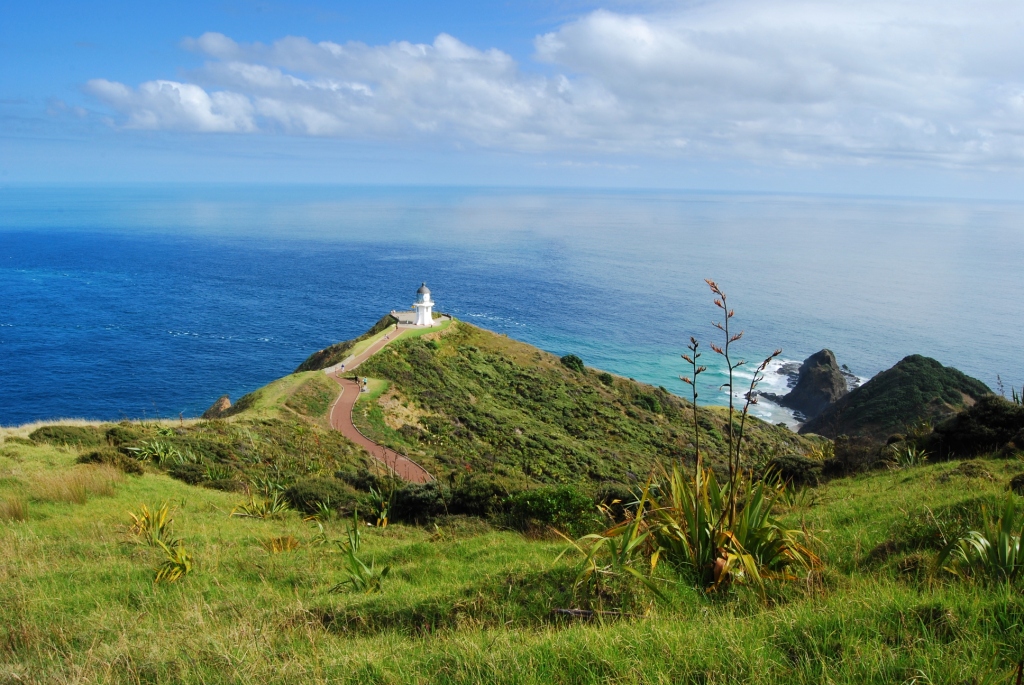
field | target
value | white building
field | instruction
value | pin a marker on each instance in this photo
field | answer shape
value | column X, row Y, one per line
column 422, row 313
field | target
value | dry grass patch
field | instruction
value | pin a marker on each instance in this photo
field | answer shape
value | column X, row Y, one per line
column 13, row 509
column 398, row 411
column 76, row 485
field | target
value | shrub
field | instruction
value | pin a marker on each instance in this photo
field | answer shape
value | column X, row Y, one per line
column 990, row 424
column 418, row 502
column 573, row 363
column 606, row 378
column 81, row 436
column 225, row 485
column 564, row 508
column 1017, row 484
column 796, row 469
column 306, row 495
column 361, row 479
column 124, row 433
column 478, row 495
column 648, row 402
column 111, row 457
column 852, row 455
column 193, row 474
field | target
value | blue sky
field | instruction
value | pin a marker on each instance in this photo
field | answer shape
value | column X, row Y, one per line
column 907, row 97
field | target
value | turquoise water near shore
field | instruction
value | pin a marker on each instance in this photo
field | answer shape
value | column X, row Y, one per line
column 143, row 301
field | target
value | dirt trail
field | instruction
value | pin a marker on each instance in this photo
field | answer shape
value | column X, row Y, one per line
column 341, row 420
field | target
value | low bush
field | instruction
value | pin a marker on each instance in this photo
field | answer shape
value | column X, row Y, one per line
column 307, row 495
column 564, row 508
column 479, row 495
column 124, row 433
column 574, row 363
column 80, row 436
column 225, row 485
column 852, row 455
column 1017, row 484
column 796, row 469
column 606, row 378
column 111, row 457
column 648, row 402
column 417, row 502
column 992, row 423
column 193, row 474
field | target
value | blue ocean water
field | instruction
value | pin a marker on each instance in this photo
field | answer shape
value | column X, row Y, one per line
column 153, row 301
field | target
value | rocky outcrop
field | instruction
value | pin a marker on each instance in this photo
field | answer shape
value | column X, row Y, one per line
column 819, row 383
column 218, row 408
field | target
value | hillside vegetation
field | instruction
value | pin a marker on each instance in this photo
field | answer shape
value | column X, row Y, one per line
column 917, row 389
column 269, row 440
column 467, row 603
column 329, row 356
column 470, row 400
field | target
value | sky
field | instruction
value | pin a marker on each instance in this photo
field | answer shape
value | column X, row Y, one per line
column 904, row 97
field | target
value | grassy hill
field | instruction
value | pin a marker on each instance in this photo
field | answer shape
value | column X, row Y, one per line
column 268, row 595
column 915, row 389
column 467, row 399
column 467, row 603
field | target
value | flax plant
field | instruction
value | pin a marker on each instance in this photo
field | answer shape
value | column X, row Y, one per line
column 735, row 439
column 696, row 370
column 994, row 551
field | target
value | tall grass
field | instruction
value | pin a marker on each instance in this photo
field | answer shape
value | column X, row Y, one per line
column 13, row 509
column 76, row 485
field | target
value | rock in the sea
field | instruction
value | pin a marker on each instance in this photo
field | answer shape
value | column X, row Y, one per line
column 218, row 408
column 819, row 383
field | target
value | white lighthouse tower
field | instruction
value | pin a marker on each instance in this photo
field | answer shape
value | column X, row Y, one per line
column 424, row 307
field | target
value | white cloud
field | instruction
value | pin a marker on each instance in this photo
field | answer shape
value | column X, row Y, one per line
column 173, row 105
column 920, row 81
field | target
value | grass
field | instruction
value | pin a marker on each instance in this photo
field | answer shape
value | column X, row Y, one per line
column 375, row 388
column 293, row 393
column 75, row 485
column 465, row 603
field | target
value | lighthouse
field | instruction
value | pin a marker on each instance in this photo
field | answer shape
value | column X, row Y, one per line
column 424, row 307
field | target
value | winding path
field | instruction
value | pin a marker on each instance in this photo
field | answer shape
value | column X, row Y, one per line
column 341, row 419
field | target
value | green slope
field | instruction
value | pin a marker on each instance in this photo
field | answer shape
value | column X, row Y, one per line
column 470, row 399
column 465, row 603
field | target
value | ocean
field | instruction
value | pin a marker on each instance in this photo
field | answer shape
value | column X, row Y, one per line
column 152, row 301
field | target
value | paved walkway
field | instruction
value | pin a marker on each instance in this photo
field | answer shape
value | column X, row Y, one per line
column 341, row 419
